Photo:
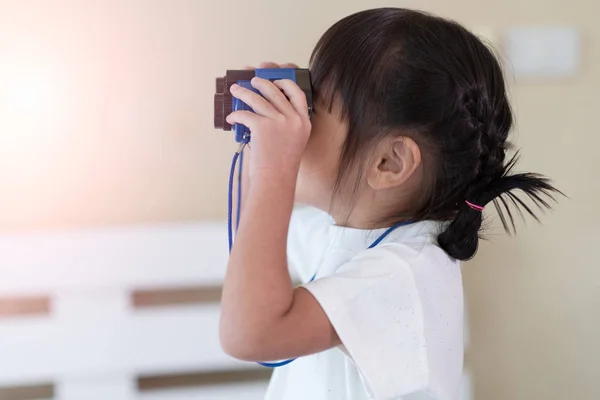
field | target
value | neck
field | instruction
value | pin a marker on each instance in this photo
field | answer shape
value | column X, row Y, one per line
column 372, row 212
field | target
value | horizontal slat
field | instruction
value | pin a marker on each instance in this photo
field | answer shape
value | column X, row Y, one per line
column 152, row 341
column 24, row 306
column 27, row 392
column 136, row 257
column 175, row 296
column 207, row 378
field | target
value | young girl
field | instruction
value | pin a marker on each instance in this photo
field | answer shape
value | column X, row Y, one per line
column 405, row 147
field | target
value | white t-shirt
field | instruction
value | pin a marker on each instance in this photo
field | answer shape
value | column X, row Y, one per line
column 397, row 308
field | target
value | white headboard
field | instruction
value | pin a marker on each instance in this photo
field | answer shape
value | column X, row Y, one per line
column 91, row 340
column 117, row 313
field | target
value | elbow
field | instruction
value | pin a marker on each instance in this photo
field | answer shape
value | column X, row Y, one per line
column 239, row 343
column 236, row 348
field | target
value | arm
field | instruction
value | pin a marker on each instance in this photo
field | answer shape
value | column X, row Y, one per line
column 263, row 316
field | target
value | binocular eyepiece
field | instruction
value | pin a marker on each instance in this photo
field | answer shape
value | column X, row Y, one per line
column 225, row 103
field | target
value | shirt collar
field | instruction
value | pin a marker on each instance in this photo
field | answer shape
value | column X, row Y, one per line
column 353, row 238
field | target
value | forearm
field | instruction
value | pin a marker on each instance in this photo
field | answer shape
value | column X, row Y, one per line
column 258, row 289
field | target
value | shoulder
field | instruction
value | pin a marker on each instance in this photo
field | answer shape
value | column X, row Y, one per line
column 402, row 267
column 422, row 268
column 414, row 247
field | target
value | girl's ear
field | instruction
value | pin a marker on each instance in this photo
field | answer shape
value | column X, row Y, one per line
column 394, row 164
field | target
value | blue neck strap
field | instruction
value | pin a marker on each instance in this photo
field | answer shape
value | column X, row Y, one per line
column 387, row 232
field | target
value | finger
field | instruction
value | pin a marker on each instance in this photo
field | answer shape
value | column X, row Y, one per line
column 268, row 64
column 271, row 65
column 296, row 96
column 259, row 104
column 244, row 117
column 274, row 95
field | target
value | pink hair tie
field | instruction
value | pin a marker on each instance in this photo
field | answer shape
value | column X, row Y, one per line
column 474, row 206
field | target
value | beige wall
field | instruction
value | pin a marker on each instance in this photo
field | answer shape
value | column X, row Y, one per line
column 120, row 131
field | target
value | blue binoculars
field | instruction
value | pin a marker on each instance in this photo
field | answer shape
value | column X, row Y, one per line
column 225, row 103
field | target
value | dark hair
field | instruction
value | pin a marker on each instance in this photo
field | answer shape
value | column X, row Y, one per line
column 404, row 72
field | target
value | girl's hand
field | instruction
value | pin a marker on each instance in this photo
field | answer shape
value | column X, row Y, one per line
column 279, row 127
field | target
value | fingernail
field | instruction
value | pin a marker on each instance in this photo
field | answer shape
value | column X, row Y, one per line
column 233, row 87
column 228, row 120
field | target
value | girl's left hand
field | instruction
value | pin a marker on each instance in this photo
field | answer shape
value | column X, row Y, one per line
column 279, row 127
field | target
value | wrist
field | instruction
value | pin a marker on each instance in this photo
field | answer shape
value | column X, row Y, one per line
column 274, row 177
column 273, row 187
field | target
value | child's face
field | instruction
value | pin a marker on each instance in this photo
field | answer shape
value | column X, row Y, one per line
column 319, row 166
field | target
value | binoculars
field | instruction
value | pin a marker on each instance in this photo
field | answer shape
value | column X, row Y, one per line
column 225, row 103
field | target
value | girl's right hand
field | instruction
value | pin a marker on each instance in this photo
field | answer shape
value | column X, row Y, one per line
column 248, row 151
column 280, row 126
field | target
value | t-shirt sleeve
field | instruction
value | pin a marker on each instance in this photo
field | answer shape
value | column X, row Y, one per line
column 373, row 303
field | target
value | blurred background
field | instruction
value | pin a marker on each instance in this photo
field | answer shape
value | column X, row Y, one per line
column 113, row 195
